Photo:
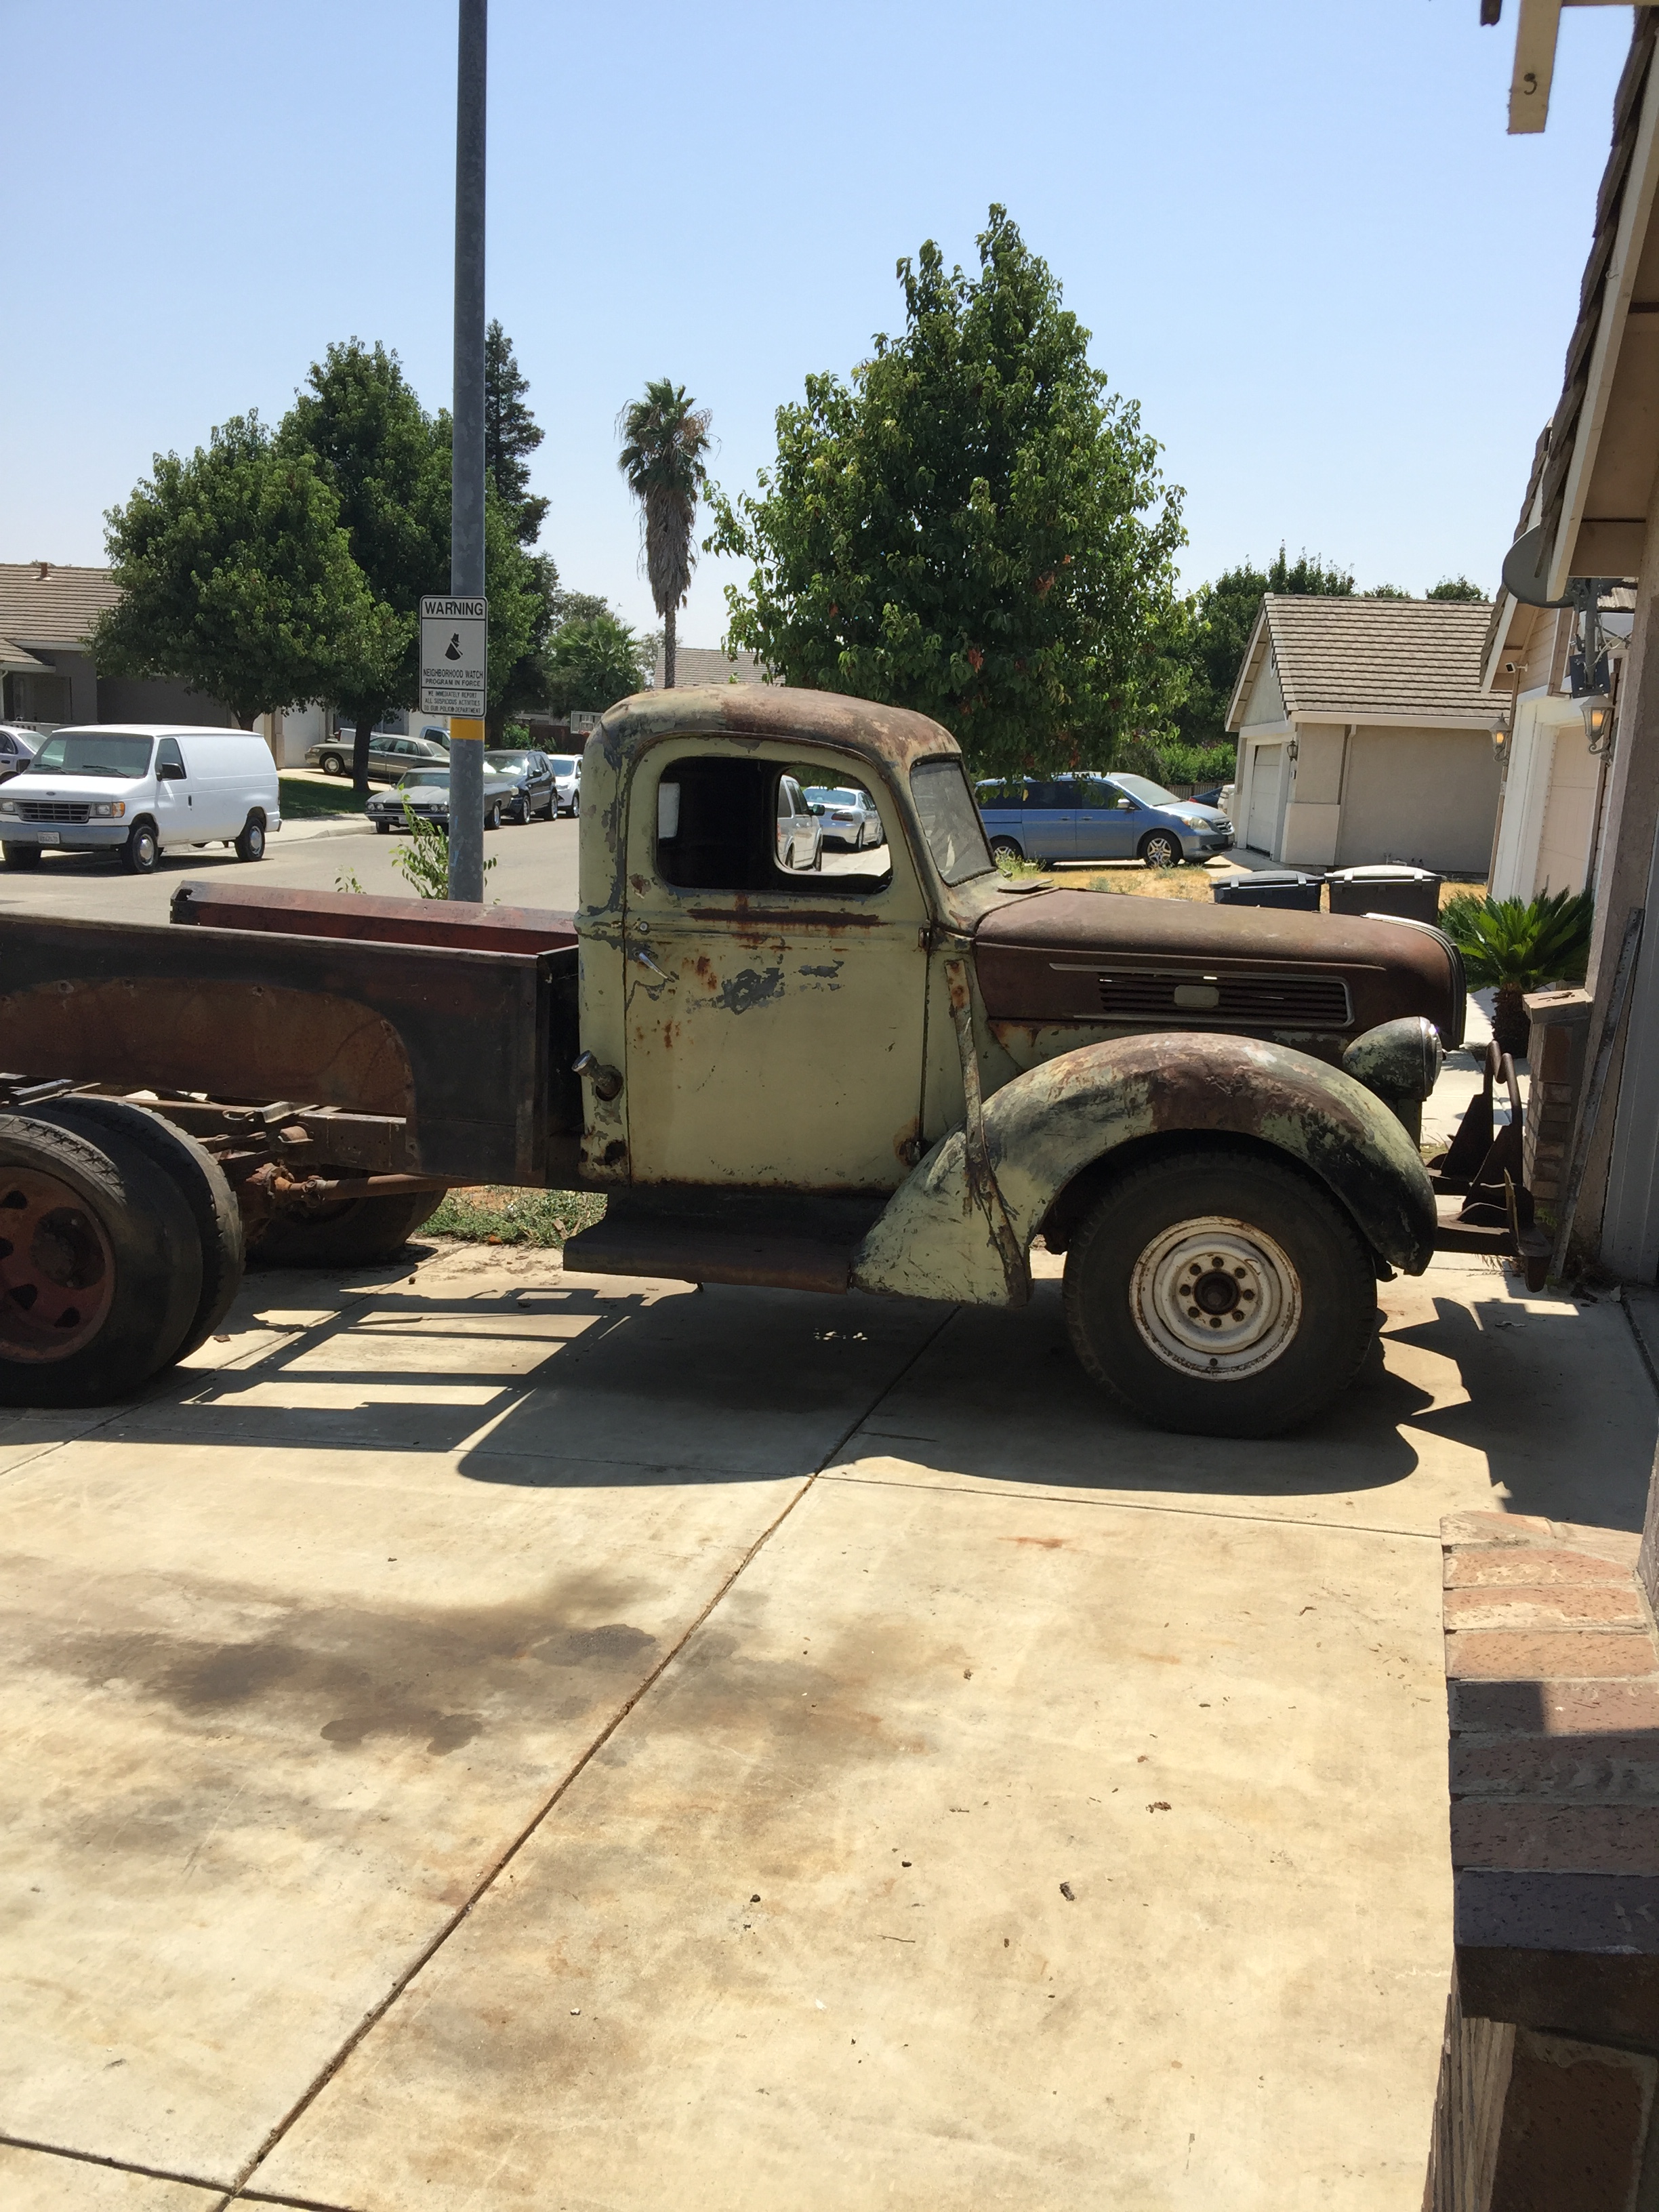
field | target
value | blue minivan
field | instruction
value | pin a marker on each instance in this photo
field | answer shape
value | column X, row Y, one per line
column 1099, row 818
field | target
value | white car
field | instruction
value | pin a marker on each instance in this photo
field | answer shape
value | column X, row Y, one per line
column 16, row 749
column 137, row 790
column 568, row 772
column 848, row 815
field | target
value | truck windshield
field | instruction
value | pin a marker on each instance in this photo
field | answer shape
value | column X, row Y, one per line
column 950, row 820
column 87, row 752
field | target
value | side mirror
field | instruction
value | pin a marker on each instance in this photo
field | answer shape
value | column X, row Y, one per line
column 170, row 772
column 1125, row 806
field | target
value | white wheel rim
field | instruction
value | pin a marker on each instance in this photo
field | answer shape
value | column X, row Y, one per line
column 1176, row 1292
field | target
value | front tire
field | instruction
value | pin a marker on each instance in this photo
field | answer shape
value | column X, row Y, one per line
column 250, row 845
column 141, row 853
column 1219, row 1292
column 999, row 846
column 332, row 764
column 21, row 856
column 1160, row 848
column 493, row 818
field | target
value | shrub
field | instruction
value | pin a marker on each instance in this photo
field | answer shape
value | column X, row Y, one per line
column 1519, row 945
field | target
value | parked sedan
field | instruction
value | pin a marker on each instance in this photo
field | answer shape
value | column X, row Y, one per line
column 1097, row 817
column 536, row 786
column 800, row 833
column 567, row 770
column 848, row 815
column 17, row 749
column 388, row 757
column 425, row 790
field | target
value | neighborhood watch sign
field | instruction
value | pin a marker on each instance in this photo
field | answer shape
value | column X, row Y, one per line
column 454, row 657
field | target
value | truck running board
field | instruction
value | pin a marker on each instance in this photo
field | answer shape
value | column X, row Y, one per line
column 761, row 1237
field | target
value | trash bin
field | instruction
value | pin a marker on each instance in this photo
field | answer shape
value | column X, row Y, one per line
column 1413, row 894
column 1269, row 887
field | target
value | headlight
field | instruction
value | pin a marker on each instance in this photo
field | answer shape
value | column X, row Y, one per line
column 106, row 809
column 7, row 806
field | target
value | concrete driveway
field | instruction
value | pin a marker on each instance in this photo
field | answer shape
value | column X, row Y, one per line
column 492, row 1738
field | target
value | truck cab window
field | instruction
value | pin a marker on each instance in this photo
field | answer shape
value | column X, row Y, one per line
column 748, row 825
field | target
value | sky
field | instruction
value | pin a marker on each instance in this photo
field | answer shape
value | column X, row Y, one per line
column 1298, row 231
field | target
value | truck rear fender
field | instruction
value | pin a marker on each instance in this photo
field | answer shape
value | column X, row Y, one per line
column 938, row 1237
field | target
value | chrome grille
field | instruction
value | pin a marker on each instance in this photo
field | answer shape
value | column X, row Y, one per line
column 54, row 810
column 1301, row 1002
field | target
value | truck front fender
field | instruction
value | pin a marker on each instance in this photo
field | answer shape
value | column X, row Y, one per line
column 938, row 1236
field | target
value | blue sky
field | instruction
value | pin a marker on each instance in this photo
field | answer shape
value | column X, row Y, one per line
column 1297, row 230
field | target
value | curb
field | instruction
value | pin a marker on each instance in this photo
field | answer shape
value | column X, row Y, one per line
column 302, row 833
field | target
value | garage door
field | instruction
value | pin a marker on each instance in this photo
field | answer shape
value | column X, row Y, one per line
column 1266, row 773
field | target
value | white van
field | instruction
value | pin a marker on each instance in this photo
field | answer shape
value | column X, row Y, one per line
column 136, row 790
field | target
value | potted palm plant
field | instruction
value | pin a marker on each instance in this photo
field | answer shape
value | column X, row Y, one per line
column 1520, row 945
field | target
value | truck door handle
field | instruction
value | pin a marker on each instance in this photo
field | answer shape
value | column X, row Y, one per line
column 646, row 961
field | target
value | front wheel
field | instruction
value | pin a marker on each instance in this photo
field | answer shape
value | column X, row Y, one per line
column 20, row 856
column 250, row 845
column 142, row 851
column 1160, row 848
column 521, row 811
column 1006, row 847
column 1219, row 1292
column 493, row 818
column 332, row 764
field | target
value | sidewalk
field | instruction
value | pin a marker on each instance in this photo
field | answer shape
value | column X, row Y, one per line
column 505, row 1740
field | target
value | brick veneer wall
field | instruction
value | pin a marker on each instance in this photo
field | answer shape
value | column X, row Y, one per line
column 1551, row 2061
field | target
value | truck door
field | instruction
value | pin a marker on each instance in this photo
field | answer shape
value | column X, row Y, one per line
column 775, row 1010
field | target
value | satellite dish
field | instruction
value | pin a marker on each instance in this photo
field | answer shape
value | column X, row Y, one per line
column 1524, row 568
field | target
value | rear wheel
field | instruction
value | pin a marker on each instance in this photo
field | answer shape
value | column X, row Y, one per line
column 197, row 1176
column 142, row 851
column 1160, row 848
column 21, row 856
column 1001, row 845
column 250, row 845
column 348, row 1235
column 100, row 1268
column 1219, row 1292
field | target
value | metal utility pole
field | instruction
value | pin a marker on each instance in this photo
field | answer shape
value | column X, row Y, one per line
column 466, row 529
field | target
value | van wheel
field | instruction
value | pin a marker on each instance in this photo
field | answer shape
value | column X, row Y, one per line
column 1219, row 1294
column 333, row 763
column 21, row 856
column 999, row 846
column 195, row 1174
column 345, row 1235
column 1160, row 848
column 100, row 1270
column 142, row 851
column 250, row 845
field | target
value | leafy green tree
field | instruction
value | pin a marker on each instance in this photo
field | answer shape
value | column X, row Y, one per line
column 1385, row 592
column 594, row 660
column 1223, row 615
column 973, row 525
column 665, row 458
column 511, row 433
column 1455, row 588
column 236, row 577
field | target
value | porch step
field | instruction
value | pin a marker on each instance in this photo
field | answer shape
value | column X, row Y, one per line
column 783, row 1242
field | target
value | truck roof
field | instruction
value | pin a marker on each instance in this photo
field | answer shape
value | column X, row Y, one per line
column 762, row 713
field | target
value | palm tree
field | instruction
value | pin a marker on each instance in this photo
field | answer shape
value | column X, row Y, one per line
column 1520, row 945
column 664, row 438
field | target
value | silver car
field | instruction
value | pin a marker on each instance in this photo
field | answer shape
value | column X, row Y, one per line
column 17, row 749
column 848, row 816
column 389, row 756
column 426, row 792
column 567, row 774
column 800, row 833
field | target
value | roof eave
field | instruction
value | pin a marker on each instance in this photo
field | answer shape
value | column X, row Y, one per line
column 1247, row 672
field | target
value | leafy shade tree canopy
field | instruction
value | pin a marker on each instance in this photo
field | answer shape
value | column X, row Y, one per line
column 665, row 458
column 972, row 526
column 389, row 461
column 1455, row 588
column 237, row 578
column 594, row 660
column 511, row 435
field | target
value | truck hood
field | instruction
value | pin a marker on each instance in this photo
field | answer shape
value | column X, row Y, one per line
column 1114, row 959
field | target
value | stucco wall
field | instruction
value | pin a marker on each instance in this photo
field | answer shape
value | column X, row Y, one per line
column 1266, row 701
column 147, row 699
column 1425, row 796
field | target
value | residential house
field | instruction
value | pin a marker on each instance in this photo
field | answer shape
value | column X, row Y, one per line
column 1364, row 735
column 702, row 664
column 47, row 610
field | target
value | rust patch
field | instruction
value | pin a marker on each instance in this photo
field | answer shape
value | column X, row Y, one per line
column 748, row 988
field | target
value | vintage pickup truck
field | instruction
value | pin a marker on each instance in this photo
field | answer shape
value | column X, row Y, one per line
column 893, row 1072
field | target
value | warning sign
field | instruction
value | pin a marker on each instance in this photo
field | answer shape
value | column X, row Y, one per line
column 455, row 657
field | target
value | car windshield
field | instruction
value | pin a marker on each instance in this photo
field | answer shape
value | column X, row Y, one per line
column 509, row 763
column 90, row 753
column 950, row 820
column 419, row 777
column 818, row 796
column 1143, row 788
column 562, row 767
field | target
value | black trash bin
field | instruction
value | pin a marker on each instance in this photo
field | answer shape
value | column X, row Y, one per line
column 1286, row 887
column 1413, row 894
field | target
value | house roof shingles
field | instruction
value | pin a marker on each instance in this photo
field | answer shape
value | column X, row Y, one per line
column 1373, row 660
column 43, row 604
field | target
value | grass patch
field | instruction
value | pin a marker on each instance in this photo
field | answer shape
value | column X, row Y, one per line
column 305, row 801
column 493, row 1214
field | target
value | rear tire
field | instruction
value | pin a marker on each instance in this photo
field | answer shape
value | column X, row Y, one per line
column 347, row 1236
column 101, row 1268
column 197, row 1177
column 250, row 845
column 22, row 856
column 1143, row 1296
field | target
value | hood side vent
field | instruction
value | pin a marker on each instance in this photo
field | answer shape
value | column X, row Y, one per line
column 1303, row 1002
